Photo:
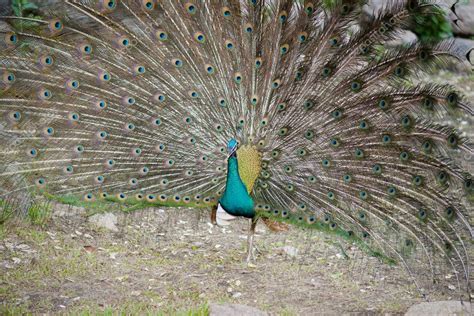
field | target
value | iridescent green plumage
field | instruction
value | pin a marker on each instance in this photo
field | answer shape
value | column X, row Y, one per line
column 235, row 199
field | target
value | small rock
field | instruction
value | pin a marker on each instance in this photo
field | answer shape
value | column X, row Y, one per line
column 237, row 295
column 106, row 220
column 234, row 310
column 229, row 290
column 16, row 260
column 135, row 293
column 23, row 247
column 88, row 236
column 451, row 287
column 290, row 251
column 440, row 308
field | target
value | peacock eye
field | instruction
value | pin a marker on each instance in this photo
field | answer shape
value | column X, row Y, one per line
column 190, row 8
column 377, row 169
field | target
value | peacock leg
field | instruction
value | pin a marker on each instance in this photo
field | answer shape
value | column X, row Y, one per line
column 250, row 237
column 214, row 215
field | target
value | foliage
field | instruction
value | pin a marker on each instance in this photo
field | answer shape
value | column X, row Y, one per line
column 433, row 26
column 39, row 213
column 27, row 9
column 7, row 210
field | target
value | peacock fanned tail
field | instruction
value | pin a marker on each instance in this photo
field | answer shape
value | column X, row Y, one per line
column 135, row 101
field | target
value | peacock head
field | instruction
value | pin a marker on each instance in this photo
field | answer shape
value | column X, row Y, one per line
column 232, row 146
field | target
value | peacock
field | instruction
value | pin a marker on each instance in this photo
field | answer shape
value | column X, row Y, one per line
column 294, row 112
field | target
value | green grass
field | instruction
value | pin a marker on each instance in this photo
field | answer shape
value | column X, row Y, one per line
column 7, row 210
column 140, row 308
column 40, row 213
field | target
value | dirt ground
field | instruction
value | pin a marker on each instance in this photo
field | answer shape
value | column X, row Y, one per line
column 175, row 261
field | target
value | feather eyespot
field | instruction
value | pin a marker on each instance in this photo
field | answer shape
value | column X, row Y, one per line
column 238, row 77
column 229, row 44
column 452, row 99
column 281, row 107
column 283, row 131
column 282, row 16
column 326, row 71
column 209, row 69
column 326, row 163
column 161, row 35
column 377, row 169
column 406, row 122
column 386, row 139
column 44, row 94
column 178, row 63
column 404, row 156
column 72, row 84
column 276, row 83
column 302, row 37
column 449, row 212
column 400, row 71
column 309, row 135
column 222, row 102
column 190, row 8
column 453, row 140
column 363, row 125
column 308, row 105
column 337, row 114
column 40, row 182
column 8, row 78
column 347, row 178
column 199, row 37
column 254, row 100
column 417, row 181
column 359, row 153
column 108, row 5
column 248, row 28
column 383, row 104
column 84, row 49
column 333, row 42
column 11, row 39
column 309, row 8
column 392, row 191
column 15, row 116
column 284, row 49
column 427, row 146
column 48, row 131
column 148, row 5
column 55, row 26
column 442, row 177
column 363, row 195
column 104, row 76
column 226, row 12
column 32, row 152
column 123, row 42
column 46, row 61
column 356, row 86
column 335, row 142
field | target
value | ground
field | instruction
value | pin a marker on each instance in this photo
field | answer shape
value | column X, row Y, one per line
column 174, row 261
